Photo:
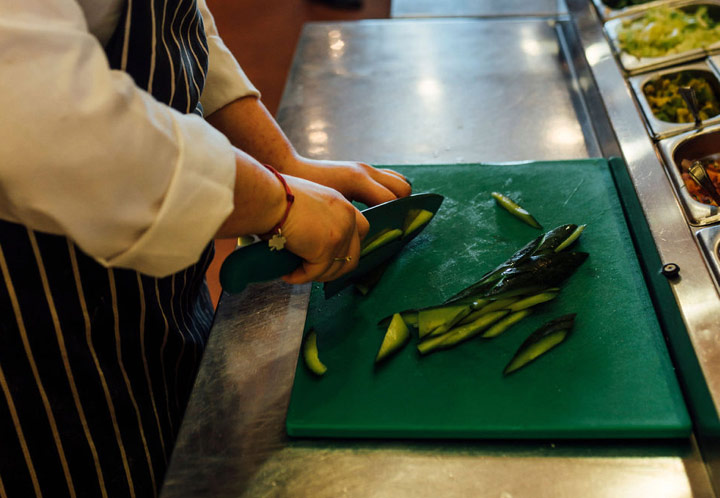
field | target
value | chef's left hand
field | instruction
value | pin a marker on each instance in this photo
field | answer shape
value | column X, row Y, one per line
column 355, row 180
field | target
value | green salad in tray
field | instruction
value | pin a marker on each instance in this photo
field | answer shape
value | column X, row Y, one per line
column 666, row 103
column 665, row 30
column 621, row 4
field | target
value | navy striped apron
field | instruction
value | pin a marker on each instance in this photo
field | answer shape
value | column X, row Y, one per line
column 97, row 364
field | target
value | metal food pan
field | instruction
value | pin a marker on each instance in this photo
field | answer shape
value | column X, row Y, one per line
column 693, row 146
column 662, row 129
column 714, row 61
column 607, row 13
column 636, row 65
column 709, row 239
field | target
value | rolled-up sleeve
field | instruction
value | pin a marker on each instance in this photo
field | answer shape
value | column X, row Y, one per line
column 87, row 154
column 226, row 81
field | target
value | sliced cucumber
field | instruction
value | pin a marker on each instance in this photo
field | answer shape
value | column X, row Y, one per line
column 380, row 240
column 310, row 354
column 505, row 324
column 572, row 238
column 553, row 238
column 516, row 210
column 395, row 338
column 541, row 341
column 488, row 308
column 461, row 333
column 415, row 219
column 440, row 318
column 534, row 300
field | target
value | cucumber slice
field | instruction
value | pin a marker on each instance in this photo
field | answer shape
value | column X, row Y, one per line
column 310, row 354
column 534, row 300
column 488, row 308
column 431, row 344
column 553, row 238
column 380, row 240
column 516, row 209
column 505, row 324
column 541, row 341
column 415, row 219
column 572, row 238
column 395, row 338
column 461, row 333
column 436, row 318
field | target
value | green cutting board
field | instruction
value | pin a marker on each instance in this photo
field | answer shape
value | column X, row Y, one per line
column 612, row 378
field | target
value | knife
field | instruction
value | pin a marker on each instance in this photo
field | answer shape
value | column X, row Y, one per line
column 257, row 263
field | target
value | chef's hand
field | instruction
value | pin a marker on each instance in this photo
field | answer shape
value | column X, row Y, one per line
column 355, row 180
column 250, row 126
column 324, row 229
column 322, row 226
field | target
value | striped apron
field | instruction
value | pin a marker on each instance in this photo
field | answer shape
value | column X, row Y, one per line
column 97, row 364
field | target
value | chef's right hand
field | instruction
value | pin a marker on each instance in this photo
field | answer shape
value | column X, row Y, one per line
column 324, row 229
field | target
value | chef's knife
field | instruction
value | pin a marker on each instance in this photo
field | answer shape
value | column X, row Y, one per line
column 257, row 263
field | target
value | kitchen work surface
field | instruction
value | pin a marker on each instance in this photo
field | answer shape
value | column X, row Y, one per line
column 473, row 8
column 436, row 91
column 612, row 378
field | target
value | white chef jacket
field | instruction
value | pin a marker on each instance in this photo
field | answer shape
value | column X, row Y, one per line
column 77, row 139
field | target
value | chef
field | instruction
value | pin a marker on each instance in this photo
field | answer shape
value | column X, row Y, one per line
column 112, row 187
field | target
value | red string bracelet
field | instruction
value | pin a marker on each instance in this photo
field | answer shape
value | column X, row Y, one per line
column 277, row 239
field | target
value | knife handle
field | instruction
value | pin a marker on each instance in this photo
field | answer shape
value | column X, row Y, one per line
column 255, row 263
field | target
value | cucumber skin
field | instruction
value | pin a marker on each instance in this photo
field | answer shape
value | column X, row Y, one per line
column 563, row 323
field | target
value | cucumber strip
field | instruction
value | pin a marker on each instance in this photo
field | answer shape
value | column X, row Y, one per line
column 540, row 245
column 431, row 319
column 572, row 238
column 516, row 210
column 395, row 338
column 541, row 341
column 380, row 240
column 478, row 303
column 530, row 301
column 431, row 344
column 547, row 270
column 492, row 306
column 505, row 324
column 451, row 323
column 415, row 219
column 553, row 238
column 410, row 318
column 461, row 334
column 310, row 354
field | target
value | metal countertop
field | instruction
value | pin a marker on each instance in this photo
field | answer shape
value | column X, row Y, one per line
column 402, row 92
column 475, row 8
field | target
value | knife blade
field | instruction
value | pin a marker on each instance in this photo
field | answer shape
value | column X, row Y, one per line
column 257, row 263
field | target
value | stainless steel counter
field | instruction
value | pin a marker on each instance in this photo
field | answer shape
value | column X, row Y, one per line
column 475, row 8
column 392, row 92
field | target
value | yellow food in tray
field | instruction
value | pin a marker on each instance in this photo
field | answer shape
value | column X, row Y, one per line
column 666, row 103
column 621, row 4
column 662, row 31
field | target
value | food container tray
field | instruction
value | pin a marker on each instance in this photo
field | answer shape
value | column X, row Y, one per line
column 607, row 13
column 658, row 128
column 709, row 239
column 714, row 61
column 694, row 145
column 636, row 65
